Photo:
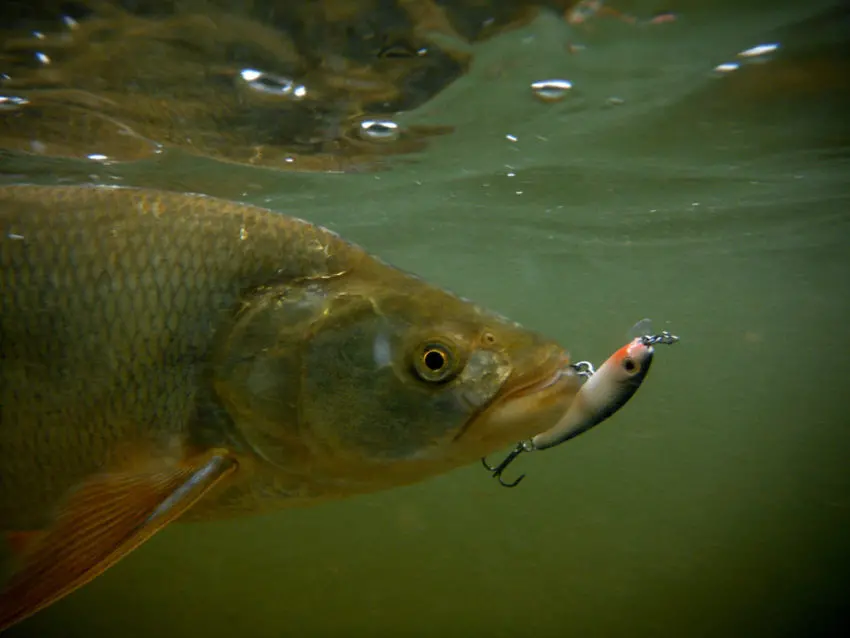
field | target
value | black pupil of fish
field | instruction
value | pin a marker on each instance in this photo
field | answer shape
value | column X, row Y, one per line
column 434, row 360
column 629, row 365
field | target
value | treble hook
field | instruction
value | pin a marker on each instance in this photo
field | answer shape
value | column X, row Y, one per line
column 497, row 470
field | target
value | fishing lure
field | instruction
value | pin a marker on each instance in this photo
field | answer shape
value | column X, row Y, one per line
column 605, row 391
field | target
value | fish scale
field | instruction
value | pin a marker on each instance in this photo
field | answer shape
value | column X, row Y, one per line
column 95, row 332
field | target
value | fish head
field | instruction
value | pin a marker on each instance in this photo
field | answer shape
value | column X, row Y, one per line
column 378, row 377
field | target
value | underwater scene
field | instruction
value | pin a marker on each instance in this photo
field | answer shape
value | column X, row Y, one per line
column 424, row 318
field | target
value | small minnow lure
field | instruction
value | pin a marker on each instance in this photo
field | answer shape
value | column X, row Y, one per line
column 606, row 391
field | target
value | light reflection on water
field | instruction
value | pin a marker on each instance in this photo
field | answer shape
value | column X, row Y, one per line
column 717, row 501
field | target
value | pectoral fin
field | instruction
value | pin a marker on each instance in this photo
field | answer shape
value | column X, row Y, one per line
column 104, row 519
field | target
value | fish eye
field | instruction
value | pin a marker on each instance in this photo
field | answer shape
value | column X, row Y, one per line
column 629, row 365
column 435, row 362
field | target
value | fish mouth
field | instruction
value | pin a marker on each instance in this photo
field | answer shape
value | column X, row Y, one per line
column 552, row 373
column 531, row 403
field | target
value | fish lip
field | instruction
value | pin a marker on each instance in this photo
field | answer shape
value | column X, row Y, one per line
column 554, row 369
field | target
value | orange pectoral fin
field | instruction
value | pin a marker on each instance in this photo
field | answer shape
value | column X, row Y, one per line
column 104, row 520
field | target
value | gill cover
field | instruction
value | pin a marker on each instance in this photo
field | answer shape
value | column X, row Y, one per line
column 318, row 370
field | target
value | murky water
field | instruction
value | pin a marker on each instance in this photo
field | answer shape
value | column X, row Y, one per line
column 717, row 503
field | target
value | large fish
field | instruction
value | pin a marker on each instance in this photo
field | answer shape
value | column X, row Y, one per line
column 166, row 355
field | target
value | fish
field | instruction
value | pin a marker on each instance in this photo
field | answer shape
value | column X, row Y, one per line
column 170, row 356
column 603, row 394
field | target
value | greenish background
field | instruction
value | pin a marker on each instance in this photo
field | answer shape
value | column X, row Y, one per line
column 717, row 503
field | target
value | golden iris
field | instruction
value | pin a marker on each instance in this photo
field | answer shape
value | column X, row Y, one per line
column 435, row 362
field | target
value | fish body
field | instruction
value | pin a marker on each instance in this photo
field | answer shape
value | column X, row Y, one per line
column 110, row 300
column 165, row 355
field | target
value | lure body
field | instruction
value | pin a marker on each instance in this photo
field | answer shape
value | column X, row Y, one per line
column 605, row 392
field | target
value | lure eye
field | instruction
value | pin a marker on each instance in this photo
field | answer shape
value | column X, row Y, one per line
column 629, row 365
column 435, row 362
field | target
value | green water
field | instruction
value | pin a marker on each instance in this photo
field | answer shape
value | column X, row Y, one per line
column 717, row 503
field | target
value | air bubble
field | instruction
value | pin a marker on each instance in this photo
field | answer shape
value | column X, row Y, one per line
column 12, row 102
column 551, row 90
column 759, row 53
column 725, row 69
column 271, row 84
column 379, row 130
